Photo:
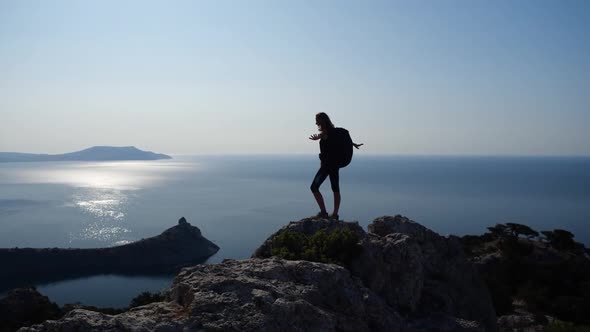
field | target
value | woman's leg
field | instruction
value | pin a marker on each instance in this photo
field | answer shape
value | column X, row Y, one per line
column 335, row 182
column 319, row 178
column 320, row 199
column 336, row 203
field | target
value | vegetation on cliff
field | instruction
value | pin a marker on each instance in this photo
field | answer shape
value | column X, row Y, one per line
column 338, row 247
column 546, row 272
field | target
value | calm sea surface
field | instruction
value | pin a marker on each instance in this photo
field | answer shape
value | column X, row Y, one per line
column 238, row 201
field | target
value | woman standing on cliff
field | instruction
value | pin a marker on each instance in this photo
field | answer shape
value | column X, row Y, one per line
column 329, row 166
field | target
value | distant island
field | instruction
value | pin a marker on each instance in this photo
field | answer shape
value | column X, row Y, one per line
column 95, row 153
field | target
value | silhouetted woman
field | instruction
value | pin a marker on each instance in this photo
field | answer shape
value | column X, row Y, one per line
column 327, row 168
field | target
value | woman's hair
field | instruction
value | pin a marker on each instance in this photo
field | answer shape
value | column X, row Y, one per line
column 324, row 122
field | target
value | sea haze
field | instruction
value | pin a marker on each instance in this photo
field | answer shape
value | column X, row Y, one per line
column 238, row 201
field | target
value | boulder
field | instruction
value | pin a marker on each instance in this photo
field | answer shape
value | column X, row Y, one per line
column 392, row 266
column 250, row 295
column 25, row 306
column 448, row 283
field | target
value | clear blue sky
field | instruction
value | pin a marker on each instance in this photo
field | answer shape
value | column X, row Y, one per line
column 411, row 77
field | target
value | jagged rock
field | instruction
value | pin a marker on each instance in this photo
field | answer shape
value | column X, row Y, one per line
column 451, row 284
column 392, row 266
column 415, row 270
column 280, row 295
column 250, row 295
column 400, row 224
column 25, row 306
column 159, row 316
column 523, row 322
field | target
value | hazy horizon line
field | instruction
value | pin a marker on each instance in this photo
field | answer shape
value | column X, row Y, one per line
column 356, row 154
column 382, row 155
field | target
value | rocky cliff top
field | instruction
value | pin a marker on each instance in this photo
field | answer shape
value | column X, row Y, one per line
column 405, row 278
column 413, row 269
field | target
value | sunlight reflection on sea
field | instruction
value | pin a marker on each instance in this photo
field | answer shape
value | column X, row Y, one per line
column 102, row 191
column 122, row 175
column 106, row 209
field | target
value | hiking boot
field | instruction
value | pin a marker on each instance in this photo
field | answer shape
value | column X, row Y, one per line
column 321, row 215
column 334, row 217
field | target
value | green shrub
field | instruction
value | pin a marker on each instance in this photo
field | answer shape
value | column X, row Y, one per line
column 499, row 231
column 519, row 229
column 337, row 247
column 560, row 239
column 289, row 245
column 512, row 230
column 555, row 285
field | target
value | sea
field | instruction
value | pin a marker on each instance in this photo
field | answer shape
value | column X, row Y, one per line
column 237, row 201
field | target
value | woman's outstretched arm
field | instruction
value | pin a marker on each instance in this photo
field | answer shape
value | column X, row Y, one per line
column 315, row 137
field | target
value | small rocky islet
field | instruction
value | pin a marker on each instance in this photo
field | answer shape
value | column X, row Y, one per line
column 328, row 275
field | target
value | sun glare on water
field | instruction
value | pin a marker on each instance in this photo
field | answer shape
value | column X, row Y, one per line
column 102, row 192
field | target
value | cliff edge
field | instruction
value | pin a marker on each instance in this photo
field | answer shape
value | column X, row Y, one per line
column 404, row 278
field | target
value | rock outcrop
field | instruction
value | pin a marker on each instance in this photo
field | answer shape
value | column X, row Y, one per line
column 250, row 295
column 23, row 307
column 416, row 271
column 177, row 246
column 280, row 295
column 431, row 273
column 308, row 226
column 407, row 278
column 532, row 277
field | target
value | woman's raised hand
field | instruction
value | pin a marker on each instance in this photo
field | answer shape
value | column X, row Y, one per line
column 315, row 137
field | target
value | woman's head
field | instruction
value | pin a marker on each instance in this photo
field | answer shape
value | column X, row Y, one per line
column 322, row 120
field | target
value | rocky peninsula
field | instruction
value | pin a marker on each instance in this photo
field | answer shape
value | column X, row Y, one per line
column 177, row 246
column 327, row 275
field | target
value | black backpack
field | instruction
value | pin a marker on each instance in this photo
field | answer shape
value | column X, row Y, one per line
column 340, row 147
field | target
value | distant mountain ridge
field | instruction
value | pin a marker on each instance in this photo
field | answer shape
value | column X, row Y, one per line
column 95, row 153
